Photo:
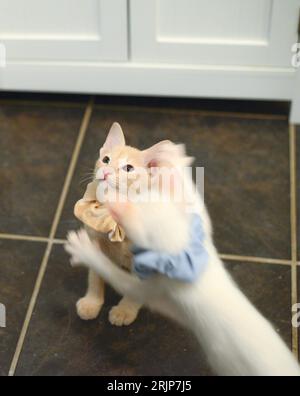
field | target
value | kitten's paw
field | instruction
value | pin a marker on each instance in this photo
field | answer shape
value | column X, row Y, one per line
column 80, row 247
column 88, row 308
column 122, row 315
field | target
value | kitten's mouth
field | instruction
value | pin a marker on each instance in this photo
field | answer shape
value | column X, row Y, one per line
column 103, row 175
column 104, row 179
column 107, row 182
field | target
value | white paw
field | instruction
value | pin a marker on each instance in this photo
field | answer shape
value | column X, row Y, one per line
column 122, row 315
column 80, row 247
column 88, row 308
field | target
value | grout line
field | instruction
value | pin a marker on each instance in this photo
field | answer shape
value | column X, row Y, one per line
column 228, row 257
column 256, row 116
column 293, row 214
column 253, row 259
column 20, row 102
column 43, row 267
column 30, row 238
column 59, row 241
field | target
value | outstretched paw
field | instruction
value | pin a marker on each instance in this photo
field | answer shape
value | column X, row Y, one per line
column 80, row 247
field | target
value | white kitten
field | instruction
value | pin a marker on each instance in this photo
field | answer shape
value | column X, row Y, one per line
column 236, row 338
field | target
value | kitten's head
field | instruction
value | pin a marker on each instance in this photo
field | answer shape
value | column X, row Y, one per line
column 121, row 167
column 118, row 164
column 154, row 221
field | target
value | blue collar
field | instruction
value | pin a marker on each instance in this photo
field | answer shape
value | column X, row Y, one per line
column 186, row 266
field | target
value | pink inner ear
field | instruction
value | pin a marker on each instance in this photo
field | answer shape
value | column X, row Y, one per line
column 153, row 154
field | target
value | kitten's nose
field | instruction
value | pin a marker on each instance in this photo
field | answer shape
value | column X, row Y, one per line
column 105, row 174
column 102, row 174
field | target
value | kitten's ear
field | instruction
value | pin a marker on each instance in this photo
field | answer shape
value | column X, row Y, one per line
column 115, row 137
column 153, row 156
column 166, row 153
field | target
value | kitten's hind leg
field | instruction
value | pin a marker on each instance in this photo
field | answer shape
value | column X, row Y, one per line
column 89, row 306
column 124, row 313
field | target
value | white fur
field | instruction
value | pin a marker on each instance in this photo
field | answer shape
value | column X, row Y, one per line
column 141, row 232
column 236, row 338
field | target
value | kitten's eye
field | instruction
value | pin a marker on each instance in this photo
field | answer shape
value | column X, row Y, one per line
column 106, row 160
column 128, row 168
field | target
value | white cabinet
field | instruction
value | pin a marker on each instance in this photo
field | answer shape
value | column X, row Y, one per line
column 215, row 32
column 60, row 30
column 195, row 48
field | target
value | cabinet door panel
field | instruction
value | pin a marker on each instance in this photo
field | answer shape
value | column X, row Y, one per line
column 226, row 32
column 64, row 29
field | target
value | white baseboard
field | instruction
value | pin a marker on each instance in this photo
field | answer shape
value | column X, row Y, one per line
column 150, row 79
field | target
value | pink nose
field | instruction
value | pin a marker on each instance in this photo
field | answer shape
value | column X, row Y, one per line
column 105, row 174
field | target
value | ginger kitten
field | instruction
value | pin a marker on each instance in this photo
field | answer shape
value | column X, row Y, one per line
column 117, row 168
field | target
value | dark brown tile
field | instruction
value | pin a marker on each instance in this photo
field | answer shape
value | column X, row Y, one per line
column 268, row 287
column 59, row 343
column 19, row 266
column 36, row 144
column 246, row 173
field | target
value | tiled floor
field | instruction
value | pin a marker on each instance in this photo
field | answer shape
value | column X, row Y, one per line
column 48, row 145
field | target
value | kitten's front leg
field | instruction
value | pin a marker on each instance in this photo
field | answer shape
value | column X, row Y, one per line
column 89, row 306
column 84, row 252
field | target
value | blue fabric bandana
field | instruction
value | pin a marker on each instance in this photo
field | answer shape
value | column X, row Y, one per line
column 185, row 266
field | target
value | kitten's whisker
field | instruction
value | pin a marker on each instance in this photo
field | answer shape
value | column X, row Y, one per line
column 88, row 174
column 87, row 179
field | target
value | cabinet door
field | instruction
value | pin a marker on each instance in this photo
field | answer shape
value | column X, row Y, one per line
column 222, row 32
column 64, row 29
